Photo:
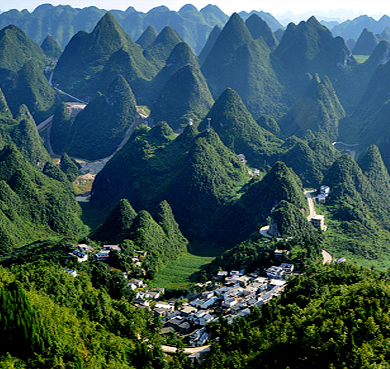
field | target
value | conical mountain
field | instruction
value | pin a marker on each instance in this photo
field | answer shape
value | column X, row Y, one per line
column 148, row 37
column 5, row 112
column 247, row 214
column 60, row 132
column 258, row 28
column 86, row 54
column 24, row 134
column 268, row 123
column 355, row 197
column 386, row 33
column 180, row 56
column 246, row 67
column 149, row 236
column 33, row 90
column 100, row 127
column 380, row 55
column 163, row 215
column 51, row 48
column 208, row 176
column 309, row 47
column 185, row 96
column 209, row 44
column 53, row 171
column 117, row 223
column 214, row 15
column 41, row 202
column 287, row 220
column 17, row 49
column 195, row 173
column 351, row 86
column 366, row 43
column 279, row 34
column 69, row 167
column 374, row 169
column 370, row 121
column 162, row 47
column 252, row 75
column 238, row 130
column 233, row 35
column 309, row 160
column 319, row 110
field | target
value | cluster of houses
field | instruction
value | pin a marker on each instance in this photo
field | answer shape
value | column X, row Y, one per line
column 324, row 193
column 83, row 251
column 232, row 295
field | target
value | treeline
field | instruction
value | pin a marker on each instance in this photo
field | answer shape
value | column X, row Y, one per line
column 52, row 319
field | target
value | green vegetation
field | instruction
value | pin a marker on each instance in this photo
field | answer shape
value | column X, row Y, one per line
column 158, row 52
column 246, row 67
column 361, row 58
column 238, row 130
column 248, row 213
column 319, row 111
column 51, row 48
column 69, row 167
column 98, row 129
column 78, row 69
column 182, row 273
column 366, row 43
column 259, row 28
column 185, row 96
column 16, row 49
column 33, row 205
column 62, row 321
column 195, row 173
column 148, row 37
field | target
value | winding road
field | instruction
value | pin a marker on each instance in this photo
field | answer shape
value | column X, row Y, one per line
column 325, row 254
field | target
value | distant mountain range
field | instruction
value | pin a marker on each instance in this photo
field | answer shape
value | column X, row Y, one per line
column 63, row 21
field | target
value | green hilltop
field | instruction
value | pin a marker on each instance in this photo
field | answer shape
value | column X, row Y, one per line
column 259, row 28
column 195, row 173
column 158, row 52
column 319, row 111
column 98, row 129
column 148, row 37
column 366, row 43
column 184, row 96
column 51, row 48
column 238, row 130
column 36, row 205
column 86, row 55
column 248, row 213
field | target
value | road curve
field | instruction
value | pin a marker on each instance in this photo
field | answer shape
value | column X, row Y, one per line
column 327, row 257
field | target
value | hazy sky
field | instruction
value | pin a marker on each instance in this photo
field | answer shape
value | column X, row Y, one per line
column 275, row 7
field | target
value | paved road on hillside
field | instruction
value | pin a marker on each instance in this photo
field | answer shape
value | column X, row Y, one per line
column 187, row 350
column 327, row 257
column 311, row 204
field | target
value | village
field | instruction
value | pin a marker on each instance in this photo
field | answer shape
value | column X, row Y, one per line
column 231, row 294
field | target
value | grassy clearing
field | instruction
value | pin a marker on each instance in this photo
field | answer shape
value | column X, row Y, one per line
column 361, row 58
column 183, row 272
column 91, row 216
